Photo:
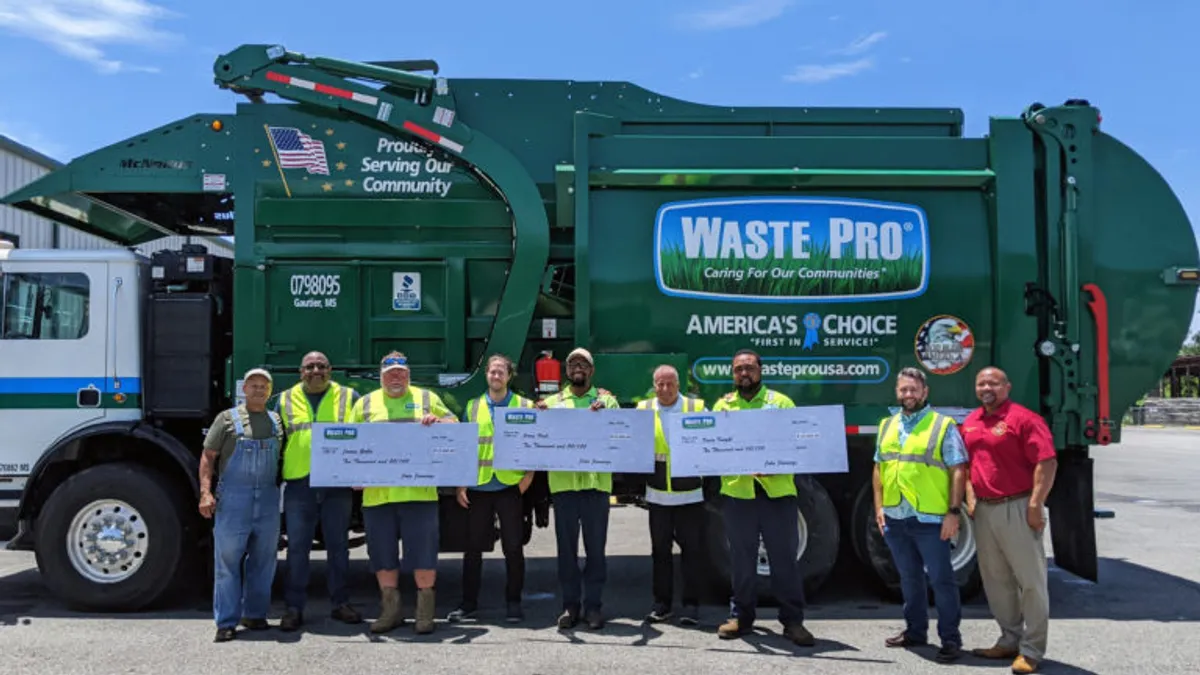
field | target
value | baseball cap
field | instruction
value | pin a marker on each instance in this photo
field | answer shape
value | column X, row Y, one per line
column 581, row 353
column 392, row 362
column 257, row 371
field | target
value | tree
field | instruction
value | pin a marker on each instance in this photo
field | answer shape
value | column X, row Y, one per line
column 1192, row 346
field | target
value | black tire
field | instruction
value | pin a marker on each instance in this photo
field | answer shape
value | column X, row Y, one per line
column 157, row 509
column 819, row 548
column 873, row 551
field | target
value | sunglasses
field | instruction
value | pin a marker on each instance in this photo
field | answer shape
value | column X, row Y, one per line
column 395, row 361
column 317, row 366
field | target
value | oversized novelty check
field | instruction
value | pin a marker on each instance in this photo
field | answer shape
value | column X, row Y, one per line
column 608, row 440
column 394, row 455
column 806, row 439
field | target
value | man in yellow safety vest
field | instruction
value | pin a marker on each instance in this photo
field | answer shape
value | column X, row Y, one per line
column 408, row 513
column 316, row 398
column 498, row 493
column 765, row 505
column 581, row 502
column 676, row 506
column 919, row 483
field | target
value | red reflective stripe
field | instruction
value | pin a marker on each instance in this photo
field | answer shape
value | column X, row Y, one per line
column 276, row 77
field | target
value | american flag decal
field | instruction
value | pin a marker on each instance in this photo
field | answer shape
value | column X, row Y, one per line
column 298, row 150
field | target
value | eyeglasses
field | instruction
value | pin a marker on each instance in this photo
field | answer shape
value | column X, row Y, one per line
column 317, row 366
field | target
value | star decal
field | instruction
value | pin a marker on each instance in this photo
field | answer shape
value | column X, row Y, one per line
column 341, row 145
column 266, row 162
column 341, row 166
column 326, row 186
column 349, row 183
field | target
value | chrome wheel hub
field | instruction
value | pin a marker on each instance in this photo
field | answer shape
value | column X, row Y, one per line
column 107, row 541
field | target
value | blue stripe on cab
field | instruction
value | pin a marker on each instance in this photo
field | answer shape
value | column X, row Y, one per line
column 68, row 385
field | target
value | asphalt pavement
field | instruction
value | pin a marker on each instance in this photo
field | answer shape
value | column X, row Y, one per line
column 1142, row 617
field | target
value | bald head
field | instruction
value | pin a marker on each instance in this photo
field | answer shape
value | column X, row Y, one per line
column 992, row 387
column 314, row 372
column 666, row 384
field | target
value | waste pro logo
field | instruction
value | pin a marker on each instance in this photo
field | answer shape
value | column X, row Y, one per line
column 791, row 249
column 698, row 422
column 520, row 418
column 798, row 370
column 340, row 433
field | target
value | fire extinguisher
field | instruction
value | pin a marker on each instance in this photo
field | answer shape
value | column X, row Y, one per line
column 547, row 373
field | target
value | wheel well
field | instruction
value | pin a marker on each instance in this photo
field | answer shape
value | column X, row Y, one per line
column 151, row 450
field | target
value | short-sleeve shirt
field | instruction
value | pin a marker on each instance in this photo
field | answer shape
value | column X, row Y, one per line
column 223, row 438
column 953, row 454
column 1004, row 447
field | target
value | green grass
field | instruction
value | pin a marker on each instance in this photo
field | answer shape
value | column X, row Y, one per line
column 680, row 273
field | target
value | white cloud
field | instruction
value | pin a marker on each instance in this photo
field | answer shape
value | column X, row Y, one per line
column 696, row 74
column 862, row 44
column 82, row 28
column 817, row 73
column 743, row 14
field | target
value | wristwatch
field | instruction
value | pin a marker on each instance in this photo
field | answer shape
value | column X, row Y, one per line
column 955, row 510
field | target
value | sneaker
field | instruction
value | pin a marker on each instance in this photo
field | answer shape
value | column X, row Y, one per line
column 255, row 624
column 689, row 616
column 568, row 619
column 660, row 612
column 595, row 620
column 224, row 635
column 346, row 614
column 292, row 620
column 514, row 614
column 949, row 652
column 460, row 613
column 902, row 639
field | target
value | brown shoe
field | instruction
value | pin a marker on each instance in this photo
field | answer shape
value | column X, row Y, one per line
column 733, row 628
column 995, row 652
column 1024, row 664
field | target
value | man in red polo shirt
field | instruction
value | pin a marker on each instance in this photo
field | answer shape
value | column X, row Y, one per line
column 1012, row 469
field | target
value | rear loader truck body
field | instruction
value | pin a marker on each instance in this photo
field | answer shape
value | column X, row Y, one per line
column 381, row 208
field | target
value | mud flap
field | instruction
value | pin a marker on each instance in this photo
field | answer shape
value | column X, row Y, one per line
column 1072, row 515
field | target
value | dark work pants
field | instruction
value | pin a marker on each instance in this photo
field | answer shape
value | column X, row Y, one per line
column 685, row 523
column 573, row 511
column 918, row 548
column 303, row 507
column 481, row 518
column 777, row 520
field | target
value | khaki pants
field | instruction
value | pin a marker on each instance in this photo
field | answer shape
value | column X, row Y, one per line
column 1012, row 563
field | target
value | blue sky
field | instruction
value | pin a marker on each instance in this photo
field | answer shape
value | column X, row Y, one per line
column 85, row 73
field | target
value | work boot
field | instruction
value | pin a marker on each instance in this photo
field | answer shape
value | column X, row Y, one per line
column 733, row 628
column 1024, row 664
column 291, row 621
column 389, row 611
column 255, row 624
column 798, row 634
column 425, row 609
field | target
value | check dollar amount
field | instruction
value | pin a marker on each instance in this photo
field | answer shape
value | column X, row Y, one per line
column 608, row 440
column 395, row 455
column 805, row 439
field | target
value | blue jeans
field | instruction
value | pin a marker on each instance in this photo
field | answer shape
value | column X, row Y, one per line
column 917, row 548
column 303, row 506
column 587, row 510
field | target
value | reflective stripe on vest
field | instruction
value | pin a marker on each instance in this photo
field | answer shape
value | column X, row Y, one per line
column 480, row 413
column 376, row 496
column 298, row 419
column 289, row 414
column 912, row 473
column 662, row 453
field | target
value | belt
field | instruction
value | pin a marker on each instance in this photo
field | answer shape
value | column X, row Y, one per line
column 1005, row 499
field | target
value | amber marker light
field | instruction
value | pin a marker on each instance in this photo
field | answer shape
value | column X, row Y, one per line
column 217, row 125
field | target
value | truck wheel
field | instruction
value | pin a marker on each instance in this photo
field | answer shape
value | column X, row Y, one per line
column 819, row 541
column 873, row 551
column 111, row 538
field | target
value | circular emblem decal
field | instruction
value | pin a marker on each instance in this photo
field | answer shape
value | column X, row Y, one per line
column 1000, row 429
column 944, row 344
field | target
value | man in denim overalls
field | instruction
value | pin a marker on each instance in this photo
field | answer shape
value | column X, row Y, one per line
column 245, row 442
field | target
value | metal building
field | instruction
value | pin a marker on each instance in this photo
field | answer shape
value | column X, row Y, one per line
column 20, row 165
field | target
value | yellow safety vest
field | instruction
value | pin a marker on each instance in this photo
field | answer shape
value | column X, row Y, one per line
column 915, row 469
column 479, row 412
column 742, row 487
column 568, row 481
column 298, row 421
column 414, row 405
column 662, row 451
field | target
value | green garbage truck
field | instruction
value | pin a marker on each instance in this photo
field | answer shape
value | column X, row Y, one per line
column 380, row 206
